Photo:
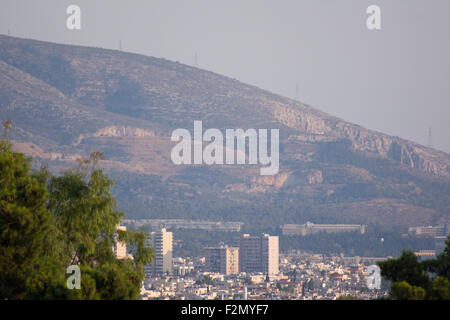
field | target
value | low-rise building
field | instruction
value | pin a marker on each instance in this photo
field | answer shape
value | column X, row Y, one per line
column 311, row 228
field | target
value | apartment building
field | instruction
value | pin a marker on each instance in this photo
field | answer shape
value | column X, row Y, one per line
column 258, row 254
column 222, row 259
column 162, row 243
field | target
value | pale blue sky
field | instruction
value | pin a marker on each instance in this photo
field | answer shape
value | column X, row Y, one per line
column 396, row 80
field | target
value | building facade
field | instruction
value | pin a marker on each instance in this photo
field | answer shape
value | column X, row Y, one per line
column 270, row 254
column 223, row 259
column 312, row 228
column 162, row 243
column 428, row 231
column 258, row 254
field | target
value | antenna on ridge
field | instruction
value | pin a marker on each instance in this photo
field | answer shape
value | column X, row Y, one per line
column 430, row 139
column 120, row 45
column 195, row 60
column 297, row 97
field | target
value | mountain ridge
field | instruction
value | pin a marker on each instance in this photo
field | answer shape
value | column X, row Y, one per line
column 70, row 100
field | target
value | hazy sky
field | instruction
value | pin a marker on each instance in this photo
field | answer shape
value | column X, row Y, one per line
column 395, row 80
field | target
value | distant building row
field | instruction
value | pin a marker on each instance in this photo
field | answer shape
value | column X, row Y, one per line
column 311, row 228
column 186, row 224
column 438, row 233
column 430, row 231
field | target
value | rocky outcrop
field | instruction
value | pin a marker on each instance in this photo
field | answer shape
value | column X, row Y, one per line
column 117, row 132
column 65, row 101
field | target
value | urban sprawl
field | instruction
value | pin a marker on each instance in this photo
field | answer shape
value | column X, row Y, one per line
column 253, row 268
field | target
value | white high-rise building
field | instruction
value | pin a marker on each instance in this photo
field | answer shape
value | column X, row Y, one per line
column 162, row 243
column 270, row 254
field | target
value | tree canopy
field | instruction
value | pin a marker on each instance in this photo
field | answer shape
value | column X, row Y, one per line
column 48, row 223
column 414, row 280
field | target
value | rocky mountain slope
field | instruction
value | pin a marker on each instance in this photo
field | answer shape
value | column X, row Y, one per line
column 66, row 101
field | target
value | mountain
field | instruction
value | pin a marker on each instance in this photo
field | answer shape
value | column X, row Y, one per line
column 66, row 101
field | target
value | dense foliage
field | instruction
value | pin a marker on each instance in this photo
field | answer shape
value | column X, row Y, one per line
column 48, row 223
column 414, row 280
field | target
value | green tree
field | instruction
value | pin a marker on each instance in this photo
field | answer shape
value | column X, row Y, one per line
column 414, row 280
column 85, row 211
column 405, row 268
column 48, row 223
column 206, row 280
column 404, row 291
column 440, row 289
column 27, row 233
column 441, row 265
